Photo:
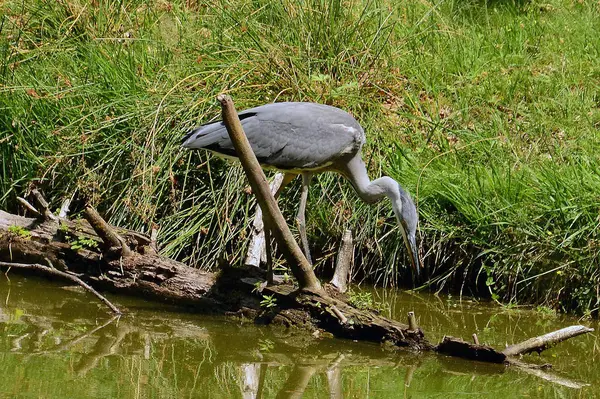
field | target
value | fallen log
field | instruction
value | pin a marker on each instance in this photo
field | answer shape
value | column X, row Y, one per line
column 232, row 291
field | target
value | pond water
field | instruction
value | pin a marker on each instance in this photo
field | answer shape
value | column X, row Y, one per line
column 59, row 342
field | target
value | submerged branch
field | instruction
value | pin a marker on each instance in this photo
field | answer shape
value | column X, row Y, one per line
column 54, row 272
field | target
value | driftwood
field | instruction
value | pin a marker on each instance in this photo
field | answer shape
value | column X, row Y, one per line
column 230, row 292
column 538, row 344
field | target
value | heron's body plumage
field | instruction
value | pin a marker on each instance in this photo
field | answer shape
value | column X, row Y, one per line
column 293, row 137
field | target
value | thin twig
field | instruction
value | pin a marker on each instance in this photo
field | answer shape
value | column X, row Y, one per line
column 67, row 276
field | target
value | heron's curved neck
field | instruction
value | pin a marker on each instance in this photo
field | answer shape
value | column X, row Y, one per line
column 372, row 191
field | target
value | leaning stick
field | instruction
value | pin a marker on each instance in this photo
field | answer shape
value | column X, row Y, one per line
column 28, row 206
column 538, row 344
column 300, row 267
column 54, row 272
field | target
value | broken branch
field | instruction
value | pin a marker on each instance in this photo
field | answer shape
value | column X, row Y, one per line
column 344, row 263
column 28, row 206
column 538, row 344
column 42, row 205
column 256, row 248
column 108, row 235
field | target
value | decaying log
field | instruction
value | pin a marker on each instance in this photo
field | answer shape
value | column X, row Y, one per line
column 543, row 342
column 232, row 291
column 343, row 264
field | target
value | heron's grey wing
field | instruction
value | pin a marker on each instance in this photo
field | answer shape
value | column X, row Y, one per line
column 287, row 135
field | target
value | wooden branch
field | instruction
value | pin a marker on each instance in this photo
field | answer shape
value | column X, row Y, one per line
column 340, row 316
column 256, row 248
column 538, row 344
column 300, row 267
column 108, row 235
column 412, row 322
column 28, row 206
column 42, row 205
column 154, row 239
column 53, row 272
column 475, row 339
column 344, row 263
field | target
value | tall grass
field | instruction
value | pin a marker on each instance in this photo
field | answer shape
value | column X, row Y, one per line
column 487, row 111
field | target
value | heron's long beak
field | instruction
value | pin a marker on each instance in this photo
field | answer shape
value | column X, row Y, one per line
column 413, row 253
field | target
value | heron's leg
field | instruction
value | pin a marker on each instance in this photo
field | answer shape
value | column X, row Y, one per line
column 269, row 250
column 287, row 179
column 300, row 218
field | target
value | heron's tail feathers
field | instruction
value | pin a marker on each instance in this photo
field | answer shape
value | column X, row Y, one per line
column 205, row 135
column 214, row 135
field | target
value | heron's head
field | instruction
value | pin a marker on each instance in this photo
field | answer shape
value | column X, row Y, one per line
column 407, row 216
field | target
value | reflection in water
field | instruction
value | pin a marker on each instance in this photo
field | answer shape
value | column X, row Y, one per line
column 59, row 343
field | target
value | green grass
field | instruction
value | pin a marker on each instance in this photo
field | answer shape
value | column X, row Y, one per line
column 487, row 111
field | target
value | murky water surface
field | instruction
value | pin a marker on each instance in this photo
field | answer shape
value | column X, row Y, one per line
column 58, row 342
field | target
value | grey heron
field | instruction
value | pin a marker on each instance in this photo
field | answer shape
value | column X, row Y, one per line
column 301, row 138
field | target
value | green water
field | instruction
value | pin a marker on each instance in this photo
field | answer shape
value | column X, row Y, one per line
column 58, row 342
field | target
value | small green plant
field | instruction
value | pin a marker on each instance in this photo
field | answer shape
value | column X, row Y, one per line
column 268, row 302
column 360, row 300
column 20, row 232
column 83, row 242
column 286, row 278
column 63, row 228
